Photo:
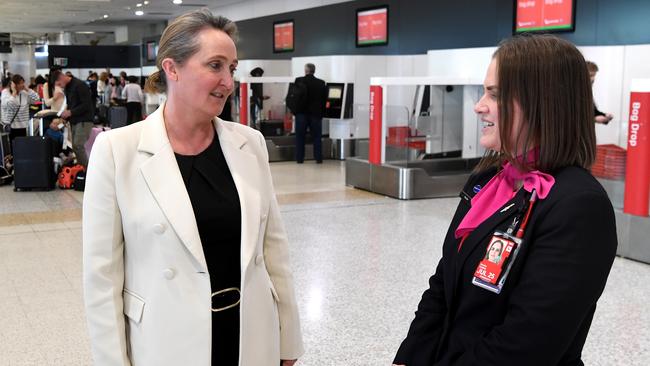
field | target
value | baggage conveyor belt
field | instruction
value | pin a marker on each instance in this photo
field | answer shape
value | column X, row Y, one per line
column 431, row 178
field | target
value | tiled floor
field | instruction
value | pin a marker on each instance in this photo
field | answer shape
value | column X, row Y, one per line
column 360, row 261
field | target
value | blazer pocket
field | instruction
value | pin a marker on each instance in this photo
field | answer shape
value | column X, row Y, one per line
column 133, row 306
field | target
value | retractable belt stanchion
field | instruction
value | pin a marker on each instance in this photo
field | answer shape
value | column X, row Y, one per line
column 637, row 172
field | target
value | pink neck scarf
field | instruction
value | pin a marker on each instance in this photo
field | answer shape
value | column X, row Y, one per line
column 501, row 189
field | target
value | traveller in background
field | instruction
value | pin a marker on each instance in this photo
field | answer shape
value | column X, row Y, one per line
column 310, row 114
column 257, row 96
column 54, row 99
column 4, row 85
column 101, row 87
column 181, row 228
column 599, row 117
column 534, row 307
column 134, row 100
column 15, row 102
column 39, row 81
column 79, row 112
column 92, row 84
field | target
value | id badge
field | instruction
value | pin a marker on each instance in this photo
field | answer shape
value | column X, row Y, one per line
column 492, row 271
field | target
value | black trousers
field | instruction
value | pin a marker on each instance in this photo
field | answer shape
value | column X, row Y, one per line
column 315, row 125
column 133, row 112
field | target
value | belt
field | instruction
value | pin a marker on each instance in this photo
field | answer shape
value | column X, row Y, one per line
column 222, row 293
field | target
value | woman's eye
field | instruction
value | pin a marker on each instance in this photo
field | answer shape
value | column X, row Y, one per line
column 215, row 65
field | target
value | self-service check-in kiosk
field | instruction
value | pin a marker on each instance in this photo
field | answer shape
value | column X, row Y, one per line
column 274, row 120
column 424, row 145
column 338, row 118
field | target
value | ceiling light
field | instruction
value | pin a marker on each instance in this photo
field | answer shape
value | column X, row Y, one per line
column 139, row 12
column 146, row 2
column 177, row 2
column 138, row 5
column 105, row 16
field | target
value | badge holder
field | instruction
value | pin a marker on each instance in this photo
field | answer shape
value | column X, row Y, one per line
column 492, row 271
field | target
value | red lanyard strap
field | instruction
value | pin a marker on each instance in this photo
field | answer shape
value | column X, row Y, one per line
column 531, row 203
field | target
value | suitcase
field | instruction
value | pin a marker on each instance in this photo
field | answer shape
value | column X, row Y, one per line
column 93, row 135
column 33, row 162
column 272, row 127
column 117, row 116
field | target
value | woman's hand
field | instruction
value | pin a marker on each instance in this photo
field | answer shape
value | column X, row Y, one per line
column 288, row 362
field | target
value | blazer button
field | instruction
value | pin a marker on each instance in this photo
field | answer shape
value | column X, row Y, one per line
column 259, row 260
column 159, row 228
column 169, row 273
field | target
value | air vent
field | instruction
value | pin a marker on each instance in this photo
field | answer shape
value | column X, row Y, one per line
column 193, row 5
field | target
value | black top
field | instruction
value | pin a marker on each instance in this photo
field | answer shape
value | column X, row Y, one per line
column 316, row 96
column 543, row 314
column 79, row 100
column 217, row 211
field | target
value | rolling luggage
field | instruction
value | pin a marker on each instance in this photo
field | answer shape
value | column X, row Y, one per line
column 33, row 162
column 117, row 116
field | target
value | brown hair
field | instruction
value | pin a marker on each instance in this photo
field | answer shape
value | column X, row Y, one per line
column 592, row 67
column 17, row 79
column 103, row 76
column 179, row 41
column 547, row 77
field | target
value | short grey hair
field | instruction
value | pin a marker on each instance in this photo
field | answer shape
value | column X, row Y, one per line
column 179, row 41
column 310, row 67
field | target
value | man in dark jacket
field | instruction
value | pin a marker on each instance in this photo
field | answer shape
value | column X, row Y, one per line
column 310, row 114
column 79, row 112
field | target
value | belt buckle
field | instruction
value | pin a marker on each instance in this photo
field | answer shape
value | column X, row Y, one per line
column 226, row 290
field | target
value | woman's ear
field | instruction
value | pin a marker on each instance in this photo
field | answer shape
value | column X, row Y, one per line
column 170, row 69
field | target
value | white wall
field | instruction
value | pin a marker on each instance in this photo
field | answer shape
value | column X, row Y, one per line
column 21, row 61
column 608, row 88
column 461, row 63
column 636, row 66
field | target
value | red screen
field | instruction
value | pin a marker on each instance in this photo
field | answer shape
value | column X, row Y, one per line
column 538, row 15
column 372, row 27
column 283, row 35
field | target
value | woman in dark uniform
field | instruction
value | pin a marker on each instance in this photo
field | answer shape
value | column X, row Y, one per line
column 533, row 193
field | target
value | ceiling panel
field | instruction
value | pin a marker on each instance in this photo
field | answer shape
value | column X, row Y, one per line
column 35, row 16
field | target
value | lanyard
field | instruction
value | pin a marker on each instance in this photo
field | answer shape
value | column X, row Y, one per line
column 526, row 216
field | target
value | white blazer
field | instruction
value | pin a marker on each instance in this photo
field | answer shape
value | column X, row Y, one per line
column 146, row 283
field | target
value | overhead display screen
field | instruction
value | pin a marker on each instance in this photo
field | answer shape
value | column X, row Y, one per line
column 372, row 26
column 283, row 36
column 544, row 15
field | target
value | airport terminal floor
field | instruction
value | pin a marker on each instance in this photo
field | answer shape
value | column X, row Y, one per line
column 360, row 261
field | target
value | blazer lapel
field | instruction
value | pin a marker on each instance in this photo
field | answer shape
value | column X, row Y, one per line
column 245, row 172
column 165, row 182
column 488, row 227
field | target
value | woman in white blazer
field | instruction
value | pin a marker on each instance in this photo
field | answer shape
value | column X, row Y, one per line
column 156, row 253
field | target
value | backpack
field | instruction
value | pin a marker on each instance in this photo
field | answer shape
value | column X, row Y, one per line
column 296, row 97
column 68, row 175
